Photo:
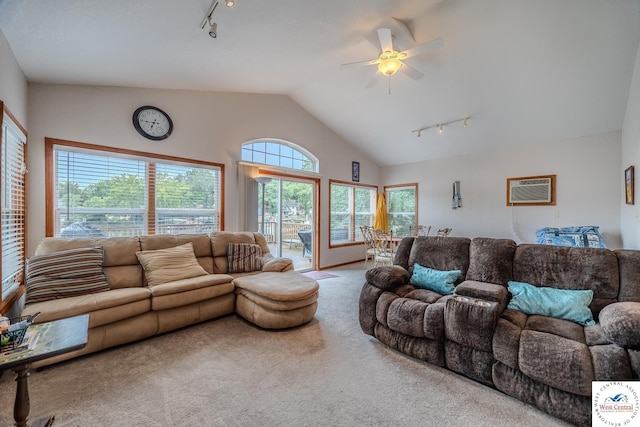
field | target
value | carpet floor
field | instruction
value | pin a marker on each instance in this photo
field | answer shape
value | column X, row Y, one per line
column 227, row 372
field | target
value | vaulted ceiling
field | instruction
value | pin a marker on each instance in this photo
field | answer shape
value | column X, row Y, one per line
column 526, row 71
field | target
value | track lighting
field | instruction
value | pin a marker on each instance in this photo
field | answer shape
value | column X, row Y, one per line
column 440, row 126
column 213, row 27
column 213, row 31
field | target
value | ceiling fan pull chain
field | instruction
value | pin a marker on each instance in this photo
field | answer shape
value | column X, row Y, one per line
column 389, row 85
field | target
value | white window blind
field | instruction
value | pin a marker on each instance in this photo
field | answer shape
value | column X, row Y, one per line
column 186, row 199
column 402, row 204
column 351, row 207
column 105, row 194
column 13, row 205
column 98, row 195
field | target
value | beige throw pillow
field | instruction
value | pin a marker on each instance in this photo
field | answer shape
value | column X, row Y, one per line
column 167, row 265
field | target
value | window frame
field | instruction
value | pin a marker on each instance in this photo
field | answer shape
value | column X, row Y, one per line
column 398, row 187
column 280, row 143
column 6, row 302
column 352, row 214
column 50, row 179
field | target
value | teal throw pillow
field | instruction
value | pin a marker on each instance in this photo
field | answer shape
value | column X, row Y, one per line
column 438, row 281
column 565, row 304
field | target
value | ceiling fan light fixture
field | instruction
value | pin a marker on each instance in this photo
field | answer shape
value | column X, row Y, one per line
column 389, row 67
column 389, row 63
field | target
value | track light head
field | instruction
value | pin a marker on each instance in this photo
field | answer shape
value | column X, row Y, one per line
column 440, row 126
column 213, row 31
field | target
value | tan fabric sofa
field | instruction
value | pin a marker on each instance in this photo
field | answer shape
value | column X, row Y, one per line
column 131, row 310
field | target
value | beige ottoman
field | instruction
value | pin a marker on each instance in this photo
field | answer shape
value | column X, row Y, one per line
column 276, row 300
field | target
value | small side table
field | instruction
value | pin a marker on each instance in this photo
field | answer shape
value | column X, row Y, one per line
column 54, row 338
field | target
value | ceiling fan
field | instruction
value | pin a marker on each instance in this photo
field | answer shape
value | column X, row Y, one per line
column 390, row 60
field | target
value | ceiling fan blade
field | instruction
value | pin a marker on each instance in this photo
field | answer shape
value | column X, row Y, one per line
column 359, row 63
column 371, row 83
column 423, row 48
column 386, row 42
column 411, row 72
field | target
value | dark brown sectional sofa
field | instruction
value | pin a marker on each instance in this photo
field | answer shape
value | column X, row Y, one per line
column 547, row 362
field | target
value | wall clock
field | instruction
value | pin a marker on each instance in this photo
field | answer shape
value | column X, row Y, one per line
column 152, row 123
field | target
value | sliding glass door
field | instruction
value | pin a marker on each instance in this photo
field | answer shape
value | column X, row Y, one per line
column 289, row 219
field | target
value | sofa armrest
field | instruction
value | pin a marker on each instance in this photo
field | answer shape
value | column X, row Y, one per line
column 388, row 277
column 484, row 291
column 277, row 265
column 620, row 323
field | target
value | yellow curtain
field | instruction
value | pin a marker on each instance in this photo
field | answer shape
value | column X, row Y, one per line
column 381, row 214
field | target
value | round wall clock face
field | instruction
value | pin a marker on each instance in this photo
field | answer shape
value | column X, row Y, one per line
column 152, row 122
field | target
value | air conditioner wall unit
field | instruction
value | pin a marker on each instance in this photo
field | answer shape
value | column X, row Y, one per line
column 532, row 190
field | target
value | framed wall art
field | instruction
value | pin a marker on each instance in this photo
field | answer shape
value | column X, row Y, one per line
column 629, row 190
column 355, row 171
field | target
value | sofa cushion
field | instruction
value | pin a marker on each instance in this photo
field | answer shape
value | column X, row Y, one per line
column 243, row 257
column 167, row 265
column 440, row 253
column 565, row 304
column 202, row 288
column 189, row 284
column 559, row 362
column 287, row 286
column 65, row 274
column 570, row 268
column 387, row 277
column 108, row 303
column 442, row 282
column 491, row 260
column 621, row 324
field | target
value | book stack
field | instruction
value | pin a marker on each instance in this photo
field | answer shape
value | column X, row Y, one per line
column 26, row 343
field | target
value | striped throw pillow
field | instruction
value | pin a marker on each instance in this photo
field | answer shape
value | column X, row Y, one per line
column 244, row 257
column 65, row 274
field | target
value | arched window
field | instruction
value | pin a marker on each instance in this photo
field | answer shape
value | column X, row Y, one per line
column 279, row 153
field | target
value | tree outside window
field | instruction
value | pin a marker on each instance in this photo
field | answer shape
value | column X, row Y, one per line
column 351, row 206
column 102, row 192
column 402, row 208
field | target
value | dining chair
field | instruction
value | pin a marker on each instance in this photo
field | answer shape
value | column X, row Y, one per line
column 444, row 232
column 423, row 230
column 369, row 244
column 383, row 247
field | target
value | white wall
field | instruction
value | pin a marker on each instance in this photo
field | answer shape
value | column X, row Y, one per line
column 589, row 180
column 630, row 214
column 13, row 83
column 207, row 126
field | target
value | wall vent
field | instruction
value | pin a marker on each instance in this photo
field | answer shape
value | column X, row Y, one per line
column 534, row 190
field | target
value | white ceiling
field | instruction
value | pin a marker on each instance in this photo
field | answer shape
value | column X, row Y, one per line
column 527, row 71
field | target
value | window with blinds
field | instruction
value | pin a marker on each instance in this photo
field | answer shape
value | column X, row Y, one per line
column 402, row 207
column 351, row 206
column 14, row 169
column 102, row 192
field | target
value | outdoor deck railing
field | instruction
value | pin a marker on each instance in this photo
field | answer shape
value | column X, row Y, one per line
column 289, row 231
